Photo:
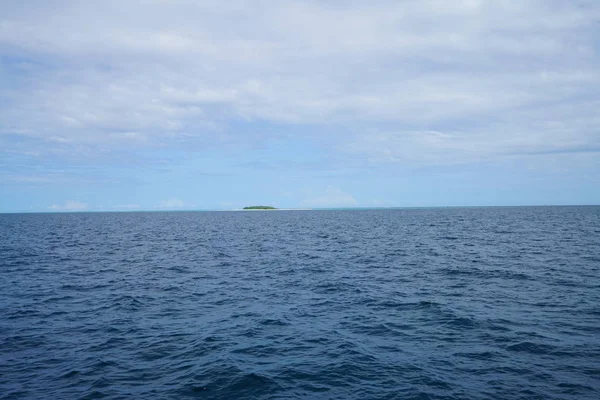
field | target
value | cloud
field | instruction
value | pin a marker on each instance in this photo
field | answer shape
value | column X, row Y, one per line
column 69, row 205
column 381, row 203
column 171, row 203
column 332, row 197
column 428, row 81
column 127, row 207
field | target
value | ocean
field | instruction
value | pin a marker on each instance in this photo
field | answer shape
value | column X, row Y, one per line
column 432, row 303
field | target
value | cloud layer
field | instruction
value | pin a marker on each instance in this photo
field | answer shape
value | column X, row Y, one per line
column 154, row 71
column 333, row 197
column 417, row 83
column 70, row 205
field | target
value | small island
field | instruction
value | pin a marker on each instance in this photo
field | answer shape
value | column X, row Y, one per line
column 260, row 208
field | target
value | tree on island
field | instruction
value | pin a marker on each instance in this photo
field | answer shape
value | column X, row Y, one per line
column 260, row 208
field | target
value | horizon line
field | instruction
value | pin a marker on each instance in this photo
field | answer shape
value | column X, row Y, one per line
column 340, row 208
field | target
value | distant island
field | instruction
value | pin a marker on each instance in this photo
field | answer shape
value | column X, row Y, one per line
column 260, row 208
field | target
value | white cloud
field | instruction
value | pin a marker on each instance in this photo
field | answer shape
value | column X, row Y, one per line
column 69, row 205
column 127, row 207
column 171, row 203
column 381, row 203
column 332, row 197
column 487, row 76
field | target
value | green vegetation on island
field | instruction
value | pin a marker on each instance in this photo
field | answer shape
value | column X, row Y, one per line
column 260, row 208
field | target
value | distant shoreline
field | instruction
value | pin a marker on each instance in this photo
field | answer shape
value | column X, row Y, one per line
column 270, row 209
column 293, row 209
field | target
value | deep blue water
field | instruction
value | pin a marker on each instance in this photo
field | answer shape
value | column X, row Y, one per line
column 455, row 303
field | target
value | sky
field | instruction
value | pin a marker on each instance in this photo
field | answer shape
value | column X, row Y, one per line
column 188, row 104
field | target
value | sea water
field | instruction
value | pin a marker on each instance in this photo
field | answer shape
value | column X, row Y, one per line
column 441, row 303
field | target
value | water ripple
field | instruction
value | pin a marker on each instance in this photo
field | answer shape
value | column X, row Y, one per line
column 389, row 304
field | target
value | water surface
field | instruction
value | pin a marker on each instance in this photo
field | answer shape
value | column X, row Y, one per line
column 449, row 303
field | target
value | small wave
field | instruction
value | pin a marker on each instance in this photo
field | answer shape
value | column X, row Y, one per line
column 71, row 374
column 273, row 322
column 532, row 348
column 257, row 351
column 95, row 394
column 385, row 330
column 55, row 299
column 223, row 383
column 83, row 288
column 479, row 355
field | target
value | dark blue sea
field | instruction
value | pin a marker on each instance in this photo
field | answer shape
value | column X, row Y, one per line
column 441, row 303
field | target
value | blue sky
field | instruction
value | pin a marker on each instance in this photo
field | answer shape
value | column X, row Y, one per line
column 181, row 104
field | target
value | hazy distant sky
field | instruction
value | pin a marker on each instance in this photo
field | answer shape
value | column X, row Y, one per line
column 186, row 104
